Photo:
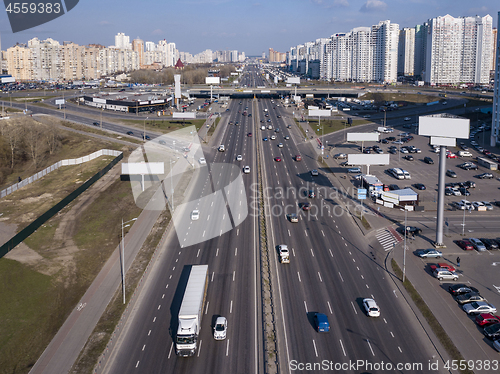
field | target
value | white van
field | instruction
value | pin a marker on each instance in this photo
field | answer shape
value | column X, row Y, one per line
column 406, row 174
column 464, row 154
column 397, row 173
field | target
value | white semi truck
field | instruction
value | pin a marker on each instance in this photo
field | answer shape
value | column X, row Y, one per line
column 191, row 311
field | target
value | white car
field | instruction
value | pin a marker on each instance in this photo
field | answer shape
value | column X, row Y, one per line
column 195, row 215
column 273, row 137
column 220, row 329
column 477, row 204
column 488, row 205
column 479, row 307
column 371, row 308
column 314, row 173
column 202, row 161
column 239, row 158
column 246, row 170
column 222, row 148
column 280, row 145
column 407, row 119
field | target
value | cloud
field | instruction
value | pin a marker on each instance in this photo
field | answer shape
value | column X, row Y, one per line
column 373, row 6
column 343, row 3
column 157, row 32
column 481, row 10
column 104, row 23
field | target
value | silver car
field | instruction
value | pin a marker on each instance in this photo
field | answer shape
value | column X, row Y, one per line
column 479, row 307
column 478, row 244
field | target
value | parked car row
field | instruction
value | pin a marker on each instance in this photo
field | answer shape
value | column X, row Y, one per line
column 475, row 205
column 480, row 245
column 476, row 305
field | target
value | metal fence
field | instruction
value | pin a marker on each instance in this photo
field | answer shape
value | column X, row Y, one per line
column 57, row 165
column 33, row 226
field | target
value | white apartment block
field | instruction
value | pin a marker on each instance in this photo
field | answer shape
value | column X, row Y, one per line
column 458, row 50
column 122, row 41
column 495, row 121
column 406, row 54
column 365, row 54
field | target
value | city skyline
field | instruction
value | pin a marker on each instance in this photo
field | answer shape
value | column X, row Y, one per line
column 219, row 24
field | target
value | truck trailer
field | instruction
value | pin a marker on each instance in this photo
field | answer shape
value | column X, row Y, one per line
column 191, row 311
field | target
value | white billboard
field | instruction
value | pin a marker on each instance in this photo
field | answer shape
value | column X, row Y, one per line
column 143, row 168
column 320, row 113
column 60, row 102
column 293, row 80
column 184, row 115
column 368, row 159
column 362, row 136
column 212, row 80
column 443, row 125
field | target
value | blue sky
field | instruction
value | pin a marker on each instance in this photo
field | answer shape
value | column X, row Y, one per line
column 252, row 26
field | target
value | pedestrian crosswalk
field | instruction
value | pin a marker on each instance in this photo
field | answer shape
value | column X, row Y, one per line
column 388, row 238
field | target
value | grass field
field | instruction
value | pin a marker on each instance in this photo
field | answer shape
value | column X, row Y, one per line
column 330, row 126
column 163, row 125
column 37, row 297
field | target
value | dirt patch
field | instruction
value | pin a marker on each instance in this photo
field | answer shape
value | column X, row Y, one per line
column 25, row 255
column 31, row 200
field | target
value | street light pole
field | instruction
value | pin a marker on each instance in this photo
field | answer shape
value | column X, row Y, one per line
column 404, row 253
column 123, row 257
column 144, row 135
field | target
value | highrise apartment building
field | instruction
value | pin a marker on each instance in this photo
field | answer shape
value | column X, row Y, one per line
column 406, row 52
column 138, row 46
column 122, row 41
column 495, row 120
column 458, row 50
column 365, row 54
column 275, row 56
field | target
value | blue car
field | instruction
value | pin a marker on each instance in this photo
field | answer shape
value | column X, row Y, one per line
column 321, row 322
column 265, row 139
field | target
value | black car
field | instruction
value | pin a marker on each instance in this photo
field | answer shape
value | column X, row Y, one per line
column 412, row 230
column 419, row 186
column 130, row 133
column 470, row 184
column 492, row 331
column 393, row 187
column 464, row 191
column 428, row 160
column 460, row 289
column 96, row 123
column 408, row 157
column 311, row 194
column 489, row 243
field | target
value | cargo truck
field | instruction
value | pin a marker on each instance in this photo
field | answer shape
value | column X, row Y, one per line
column 191, row 311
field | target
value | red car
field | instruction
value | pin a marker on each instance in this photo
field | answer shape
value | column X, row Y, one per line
column 306, row 206
column 484, row 319
column 442, row 265
column 277, row 159
column 249, row 134
column 298, row 157
column 451, row 155
column 465, row 245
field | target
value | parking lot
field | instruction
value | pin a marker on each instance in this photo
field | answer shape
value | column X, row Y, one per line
column 427, row 174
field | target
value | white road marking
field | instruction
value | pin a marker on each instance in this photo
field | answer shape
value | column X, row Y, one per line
column 217, row 252
column 400, row 349
column 163, row 296
column 305, row 305
column 331, row 254
column 312, row 252
column 159, row 306
column 319, row 275
column 355, row 311
column 143, row 347
column 236, row 251
column 234, row 273
column 137, row 364
column 154, row 320
column 370, row 346
column 199, row 349
column 227, row 348
column 170, row 351
column 341, row 276
column 322, row 232
column 212, row 276
column 231, row 307
column 342, row 345
column 315, row 350
column 391, row 334
column 329, row 307
column 149, row 333
column 289, row 233
column 206, row 308
column 298, row 274
column 198, row 254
